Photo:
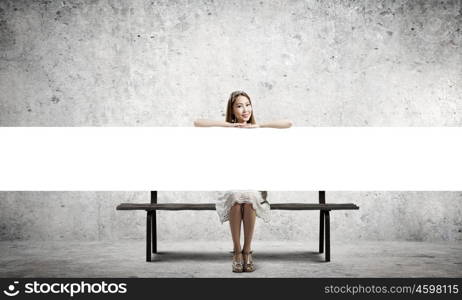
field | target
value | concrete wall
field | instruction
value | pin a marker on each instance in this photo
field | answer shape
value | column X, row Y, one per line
column 166, row 63
column 414, row 216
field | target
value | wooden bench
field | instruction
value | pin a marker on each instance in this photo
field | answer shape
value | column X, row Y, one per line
column 151, row 220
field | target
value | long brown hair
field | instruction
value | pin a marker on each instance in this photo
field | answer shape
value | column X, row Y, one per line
column 229, row 109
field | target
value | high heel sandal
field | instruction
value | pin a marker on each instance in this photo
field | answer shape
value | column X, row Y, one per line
column 248, row 262
column 238, row 264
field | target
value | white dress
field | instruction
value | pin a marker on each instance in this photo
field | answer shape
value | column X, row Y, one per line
column 261, row 206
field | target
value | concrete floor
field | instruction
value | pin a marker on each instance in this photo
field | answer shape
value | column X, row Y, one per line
column 212, row 259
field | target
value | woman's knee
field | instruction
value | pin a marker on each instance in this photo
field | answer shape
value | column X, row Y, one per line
column 248, row 206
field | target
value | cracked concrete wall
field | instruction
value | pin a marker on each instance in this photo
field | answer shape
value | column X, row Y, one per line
column 167, row 63
column 84, row 216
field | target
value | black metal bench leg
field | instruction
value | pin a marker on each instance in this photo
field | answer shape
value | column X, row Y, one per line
column 148, row 235
column 327, row 219
column 321, row 231
column 154, row 231
column 154, row 222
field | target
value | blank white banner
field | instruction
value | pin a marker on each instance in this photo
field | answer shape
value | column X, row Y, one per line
column 188, row 159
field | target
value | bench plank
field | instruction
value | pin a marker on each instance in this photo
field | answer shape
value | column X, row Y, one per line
column 211, row 206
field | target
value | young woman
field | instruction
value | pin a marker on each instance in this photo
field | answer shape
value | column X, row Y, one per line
column 239, row 113
column 242, row 206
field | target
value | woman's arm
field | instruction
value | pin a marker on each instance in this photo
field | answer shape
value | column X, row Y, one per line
column 211, row 123
column 277, row 124
column 272, row 124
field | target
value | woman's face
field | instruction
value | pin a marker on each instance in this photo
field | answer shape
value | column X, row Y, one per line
column 242, row 109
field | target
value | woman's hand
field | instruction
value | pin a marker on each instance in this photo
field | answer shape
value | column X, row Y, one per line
column 247, row 125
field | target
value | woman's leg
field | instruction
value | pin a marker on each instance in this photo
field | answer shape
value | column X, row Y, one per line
column 249, row 217
column 235, row 219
